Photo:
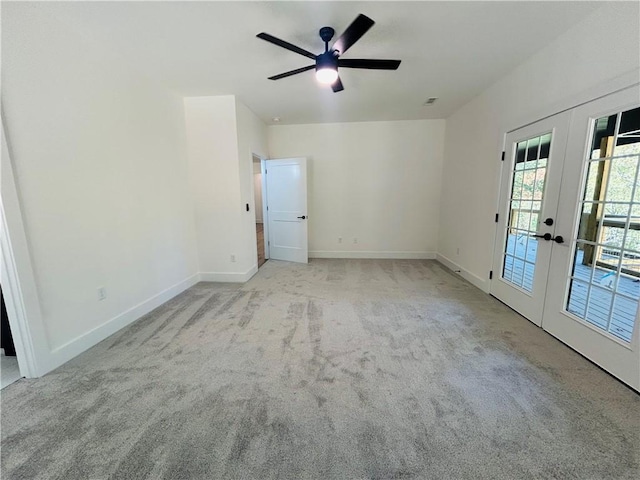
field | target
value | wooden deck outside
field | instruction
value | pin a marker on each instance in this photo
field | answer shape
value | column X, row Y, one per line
column 599, row 289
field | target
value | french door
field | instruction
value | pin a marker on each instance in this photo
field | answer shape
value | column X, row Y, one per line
column 594, row 277
column 530, row 187
column 589, row 260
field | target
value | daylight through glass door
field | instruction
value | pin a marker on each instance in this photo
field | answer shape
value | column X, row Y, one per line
column 604, row 282
column 527, row 189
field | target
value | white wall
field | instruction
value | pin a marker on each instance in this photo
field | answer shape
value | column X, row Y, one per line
column 378, row 182
column 575, row 67
column 214, row 178
column 98, row 153
column 222, row 134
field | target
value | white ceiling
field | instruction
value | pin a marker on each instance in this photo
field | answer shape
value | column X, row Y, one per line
column 450, row 50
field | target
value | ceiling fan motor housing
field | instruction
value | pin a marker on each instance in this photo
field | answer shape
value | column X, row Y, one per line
column 326, row 34
column 327, row 60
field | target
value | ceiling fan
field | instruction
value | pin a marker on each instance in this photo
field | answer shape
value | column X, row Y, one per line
column 327, row 63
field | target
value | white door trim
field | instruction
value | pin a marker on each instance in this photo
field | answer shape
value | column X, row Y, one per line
column 18, row 279
column 282, row 214
column 265, row 213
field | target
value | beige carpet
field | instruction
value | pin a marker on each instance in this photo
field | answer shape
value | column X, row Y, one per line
column 340, row 369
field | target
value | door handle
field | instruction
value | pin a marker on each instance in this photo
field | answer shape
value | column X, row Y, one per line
column 548, row 221
column 546, row 236
column 303, row 217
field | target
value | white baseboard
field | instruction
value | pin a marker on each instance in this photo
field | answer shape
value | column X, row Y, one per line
column 373, row 254
column 231, row 277
column 87, row 340
column 66, row 352
column 69, row 350
column 482, row 284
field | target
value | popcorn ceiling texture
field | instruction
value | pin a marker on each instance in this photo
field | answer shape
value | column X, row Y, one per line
column 339, row 369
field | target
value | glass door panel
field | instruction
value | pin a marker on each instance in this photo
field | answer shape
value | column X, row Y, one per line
column 604, row 288
column 521, row 247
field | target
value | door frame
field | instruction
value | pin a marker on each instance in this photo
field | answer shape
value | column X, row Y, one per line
column 597, row 92
column 265, row 212
column 265, row 205
column 263, row 182
column 17, row 276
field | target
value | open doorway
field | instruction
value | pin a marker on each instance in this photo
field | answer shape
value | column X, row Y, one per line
column 9, row 370
column 257, row 207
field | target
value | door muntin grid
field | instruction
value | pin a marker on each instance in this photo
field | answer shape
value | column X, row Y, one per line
column 528, row 175
column 604, row 281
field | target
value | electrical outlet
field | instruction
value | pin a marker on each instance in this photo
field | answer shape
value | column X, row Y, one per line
column 339, row 239
column 233, row 258
column 102, row 293
column 457, row 251
column 355, row 239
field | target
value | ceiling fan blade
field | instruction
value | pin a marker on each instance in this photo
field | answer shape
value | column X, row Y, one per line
column 337, row 86
column 283, row 44
column 292, row 72
column 352, row 34
column 369, row 64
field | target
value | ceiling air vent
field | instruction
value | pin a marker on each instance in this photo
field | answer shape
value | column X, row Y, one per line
column 430, row 101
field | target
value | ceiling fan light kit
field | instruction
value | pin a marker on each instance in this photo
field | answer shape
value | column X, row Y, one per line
column 327, row 68
column 327, row 63
column 327, row 75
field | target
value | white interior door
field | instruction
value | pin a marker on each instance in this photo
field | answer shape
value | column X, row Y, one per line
column 529, row 192
column 286, row 182
column 594, row 282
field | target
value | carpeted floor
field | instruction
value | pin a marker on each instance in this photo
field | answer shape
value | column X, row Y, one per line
column 340, row 369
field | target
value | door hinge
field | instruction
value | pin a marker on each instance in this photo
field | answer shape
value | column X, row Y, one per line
column 265, row 171
column 267, row 208
column 490, row 274
column 497, row 216
column 503, row 155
